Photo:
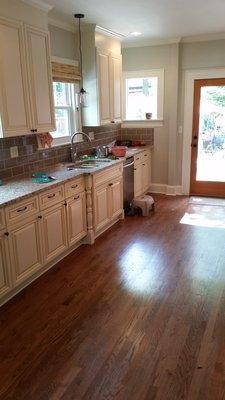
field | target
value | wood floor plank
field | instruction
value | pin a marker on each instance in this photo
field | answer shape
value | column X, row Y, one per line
column 140, row 315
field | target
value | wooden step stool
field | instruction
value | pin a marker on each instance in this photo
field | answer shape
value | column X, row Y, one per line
column 145, row 202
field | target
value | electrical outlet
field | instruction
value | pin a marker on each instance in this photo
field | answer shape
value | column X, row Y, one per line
column 180, row 130
column 91, row 135
column 14, row 152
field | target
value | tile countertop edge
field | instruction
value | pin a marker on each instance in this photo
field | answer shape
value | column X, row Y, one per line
column 36, row 188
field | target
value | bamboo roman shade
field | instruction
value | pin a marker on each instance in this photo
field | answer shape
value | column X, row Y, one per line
column 65, row 73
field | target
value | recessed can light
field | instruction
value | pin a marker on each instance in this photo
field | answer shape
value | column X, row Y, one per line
column 135, row 33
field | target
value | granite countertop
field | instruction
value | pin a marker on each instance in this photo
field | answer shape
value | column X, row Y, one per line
column 19, row 189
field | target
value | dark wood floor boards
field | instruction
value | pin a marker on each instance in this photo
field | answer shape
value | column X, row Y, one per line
column 138, row 316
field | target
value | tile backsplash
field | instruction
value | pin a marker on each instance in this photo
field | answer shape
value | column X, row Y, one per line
column 31, row 159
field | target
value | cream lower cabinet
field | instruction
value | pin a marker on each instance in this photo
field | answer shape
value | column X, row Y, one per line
column 5, row 275
column 108, row 202
column 76, row 218
column 25, row 249
column 142, row 173
column 54, row 232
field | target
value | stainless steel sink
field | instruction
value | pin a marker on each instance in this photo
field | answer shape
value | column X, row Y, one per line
column 85, row 164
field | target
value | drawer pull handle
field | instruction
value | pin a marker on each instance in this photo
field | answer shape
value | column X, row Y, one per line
column 40, row 216
column 74, row 186
column 22, row 209
column 65, row 204
column 143, row 164
column 51, row 196
column 76, row 198
column 110, row 184
column 6, row 233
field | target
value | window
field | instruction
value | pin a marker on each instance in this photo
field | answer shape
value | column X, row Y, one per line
column 143, row 98
column 65, row 113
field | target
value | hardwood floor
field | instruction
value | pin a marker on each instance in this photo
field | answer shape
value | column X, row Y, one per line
column 140, row 315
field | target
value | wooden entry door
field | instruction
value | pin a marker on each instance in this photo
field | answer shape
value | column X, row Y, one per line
column 208, row 138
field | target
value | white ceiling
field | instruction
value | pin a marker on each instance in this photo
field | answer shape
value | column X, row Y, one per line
column 156, row 19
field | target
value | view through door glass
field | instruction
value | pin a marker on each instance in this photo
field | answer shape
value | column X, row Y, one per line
column 208, row 140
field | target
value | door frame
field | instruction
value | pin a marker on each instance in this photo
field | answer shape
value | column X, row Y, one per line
column 189, row 78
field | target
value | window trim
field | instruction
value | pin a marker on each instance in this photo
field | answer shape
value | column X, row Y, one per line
column 156, row 72
column 74, row 116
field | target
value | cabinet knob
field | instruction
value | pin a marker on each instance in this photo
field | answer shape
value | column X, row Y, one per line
column 143, row 164
column 6, row 233
column 76, row 198
column 65, row 204
column 40, row 216
column 110, row 184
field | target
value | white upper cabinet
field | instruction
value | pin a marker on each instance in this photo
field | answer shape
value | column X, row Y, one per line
column 39, row 72
column 26, row 98
column 15, row 112
column 104, row 86
column 115, row 88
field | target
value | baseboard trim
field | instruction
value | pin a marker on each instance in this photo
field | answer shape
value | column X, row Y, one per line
column 166, row 189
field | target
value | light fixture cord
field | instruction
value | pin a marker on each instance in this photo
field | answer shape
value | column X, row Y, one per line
column 81, row 61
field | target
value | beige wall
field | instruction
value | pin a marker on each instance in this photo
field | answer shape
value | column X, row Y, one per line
column 164, row 56
column 63, row 43
column 18, row 10
column 196, row 55
column 175, row 59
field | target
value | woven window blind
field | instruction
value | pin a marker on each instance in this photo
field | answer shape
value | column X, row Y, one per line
column 65, row 73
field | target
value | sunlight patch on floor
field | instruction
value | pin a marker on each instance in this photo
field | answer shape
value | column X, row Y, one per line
column 138, row 274
column 202, row 218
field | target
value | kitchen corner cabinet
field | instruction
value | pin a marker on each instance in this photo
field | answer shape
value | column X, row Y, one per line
column 26, row 97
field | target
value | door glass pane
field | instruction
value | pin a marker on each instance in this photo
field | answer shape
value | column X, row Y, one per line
column 141, row 98
column 211, row 142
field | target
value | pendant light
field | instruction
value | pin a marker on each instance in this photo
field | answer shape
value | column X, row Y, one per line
column 82, row 95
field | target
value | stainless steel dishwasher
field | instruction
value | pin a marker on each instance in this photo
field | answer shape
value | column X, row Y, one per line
column 128, row 183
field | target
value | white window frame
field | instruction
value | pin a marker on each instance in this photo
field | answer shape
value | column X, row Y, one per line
column 159, row 73
column 74, row 116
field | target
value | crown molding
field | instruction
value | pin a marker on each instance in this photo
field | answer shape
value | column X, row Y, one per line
column 203, row 38
column 67, row 26
column 151, row 42
column 108, row 32
column 41, row 5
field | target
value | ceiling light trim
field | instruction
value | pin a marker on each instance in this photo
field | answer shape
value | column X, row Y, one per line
column 108, row 32
column 41, row 5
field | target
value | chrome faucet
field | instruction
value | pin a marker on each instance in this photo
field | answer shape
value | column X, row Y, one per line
column 74, row 151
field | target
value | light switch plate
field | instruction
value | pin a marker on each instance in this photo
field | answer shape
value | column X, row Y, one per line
column 14, row 152
column 91, row 135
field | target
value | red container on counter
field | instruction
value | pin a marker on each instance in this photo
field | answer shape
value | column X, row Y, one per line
column 119, row 151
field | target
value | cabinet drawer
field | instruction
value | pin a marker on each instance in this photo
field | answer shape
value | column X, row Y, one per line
column 17, row 212
column 74, row 186
column 2, row 218
column 101, row 177
column 146, row 155
column 51, row 197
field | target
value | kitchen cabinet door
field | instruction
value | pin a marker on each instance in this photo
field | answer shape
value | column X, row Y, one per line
column 138, row 180
column 146, row 175
column 54, row 232
column 5, row 276
column 25, row 250
column 116, row 197
column 14, row 100
column 76, row 218
column 115, row 87
column 101, row 207
column 40, row 79
column 103, row 86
